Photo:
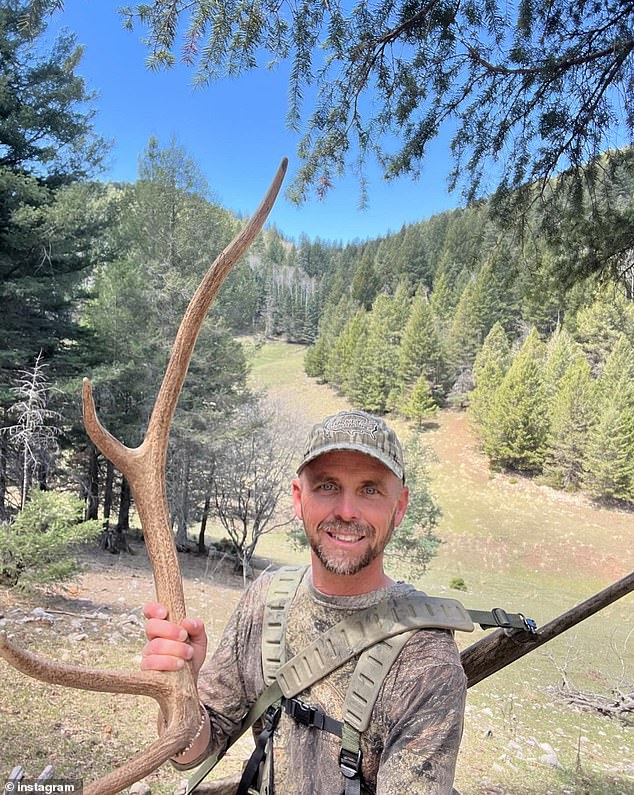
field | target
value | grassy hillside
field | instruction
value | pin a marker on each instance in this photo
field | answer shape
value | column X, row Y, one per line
column 528, row 548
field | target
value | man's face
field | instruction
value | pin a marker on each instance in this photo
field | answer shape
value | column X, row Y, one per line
column 349, row 504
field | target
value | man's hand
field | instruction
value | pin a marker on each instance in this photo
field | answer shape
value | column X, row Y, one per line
column 170, row 645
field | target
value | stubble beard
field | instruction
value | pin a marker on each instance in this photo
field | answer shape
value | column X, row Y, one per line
column 343, row 563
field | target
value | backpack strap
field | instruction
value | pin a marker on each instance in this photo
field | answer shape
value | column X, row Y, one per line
column 279, row 596
column 365, row 628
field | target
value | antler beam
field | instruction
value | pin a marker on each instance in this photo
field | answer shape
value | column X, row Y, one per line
column 144, row 468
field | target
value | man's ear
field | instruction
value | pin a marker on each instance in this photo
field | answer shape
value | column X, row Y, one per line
column 401, row 506
column 297, row 498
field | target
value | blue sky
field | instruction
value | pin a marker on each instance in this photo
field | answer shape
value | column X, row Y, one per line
column 235, row 131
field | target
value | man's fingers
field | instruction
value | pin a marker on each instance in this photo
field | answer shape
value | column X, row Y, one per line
column 154, row 610
column 169, row 648
column 161, row 662
column 158, row 628
column 195, row 629
column 170, row 645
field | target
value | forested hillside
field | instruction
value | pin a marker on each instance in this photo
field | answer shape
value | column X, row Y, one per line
column 458, row 311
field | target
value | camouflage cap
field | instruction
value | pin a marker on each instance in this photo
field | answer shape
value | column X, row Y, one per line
column 355, row 430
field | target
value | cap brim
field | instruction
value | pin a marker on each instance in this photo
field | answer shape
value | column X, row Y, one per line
column 387, row 462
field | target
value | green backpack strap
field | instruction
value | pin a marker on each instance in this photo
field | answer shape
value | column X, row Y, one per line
column 279, row 596
column 364, row 629
column 363, row 690
column 367, row 678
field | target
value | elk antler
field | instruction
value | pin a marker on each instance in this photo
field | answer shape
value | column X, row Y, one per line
column 144, row 468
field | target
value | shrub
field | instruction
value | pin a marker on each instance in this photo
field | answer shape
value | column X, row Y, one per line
column 36, row 545
column 458, row 584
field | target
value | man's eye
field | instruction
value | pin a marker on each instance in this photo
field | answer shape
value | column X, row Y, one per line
column 326, row 486
column 371, row 490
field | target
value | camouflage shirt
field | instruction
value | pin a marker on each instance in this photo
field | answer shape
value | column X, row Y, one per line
column 412, row 741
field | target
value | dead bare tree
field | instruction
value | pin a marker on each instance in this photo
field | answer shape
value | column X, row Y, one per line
column 253, row 470
column 144, row 468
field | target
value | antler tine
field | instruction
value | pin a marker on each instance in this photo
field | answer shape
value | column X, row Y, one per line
column 144, row 468
column 198, row 306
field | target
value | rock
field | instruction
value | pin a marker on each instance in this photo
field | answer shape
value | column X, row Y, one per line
column 140, row 788
column 133, row 619
column 78, row 637
column 41, row 613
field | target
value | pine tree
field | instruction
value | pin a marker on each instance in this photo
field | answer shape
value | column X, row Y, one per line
column 561, row 352
column 376, row 364
column 341, row 358
column 518, row 419
column 465, row 334
column 421, row 351
column 497, row 290
column 51, row 220
column 572, row 416
column 365, row 284
column 442, row 299
column 420, row 402
column 610, row 460
column 490, row 366
column 333, row 319
column 598, row 326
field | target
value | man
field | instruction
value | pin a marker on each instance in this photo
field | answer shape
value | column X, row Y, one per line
column 350, row 495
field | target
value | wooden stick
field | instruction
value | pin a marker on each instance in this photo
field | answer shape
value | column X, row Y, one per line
column 503, row 647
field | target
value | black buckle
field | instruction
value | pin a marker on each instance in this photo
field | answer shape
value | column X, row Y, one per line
column 501, row 617
column 350, row 763
column 304, row 713
column 272, row 717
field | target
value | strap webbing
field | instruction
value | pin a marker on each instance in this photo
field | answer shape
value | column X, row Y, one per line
column 367, row 678
column 270, row 696
column 363, row 629
column 250, row 771
column 498, row 617
column 278, row 598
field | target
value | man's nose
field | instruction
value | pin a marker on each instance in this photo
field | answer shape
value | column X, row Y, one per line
column 347, row 508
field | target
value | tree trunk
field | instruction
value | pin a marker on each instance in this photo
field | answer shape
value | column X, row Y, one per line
column 203, row 525
column 123, row 522
column 107, row 495
column 4, row 514
column 92, row 488
column 116, row 541
column 25, row 480
column 42, row 475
